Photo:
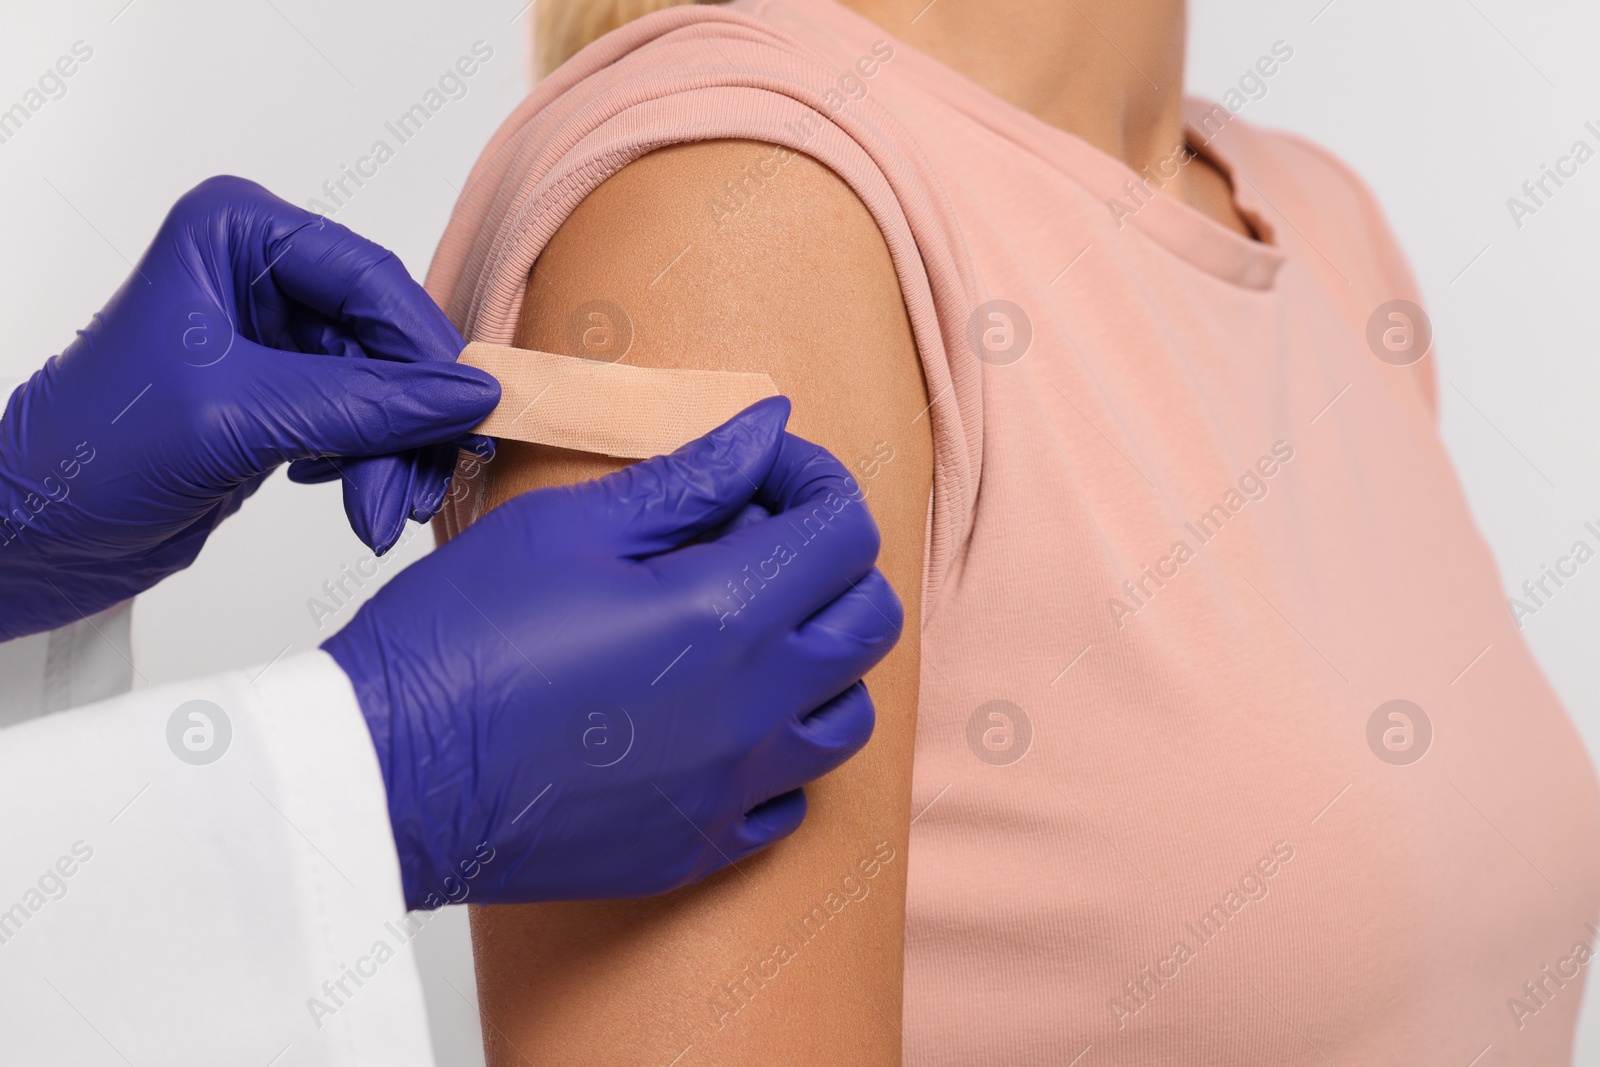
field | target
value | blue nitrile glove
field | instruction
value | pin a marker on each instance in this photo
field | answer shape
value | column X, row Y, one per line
column 611, row 689
column 238, row 343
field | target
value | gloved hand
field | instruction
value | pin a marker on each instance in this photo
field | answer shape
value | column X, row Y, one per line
column 237, row 344
column 613, row 689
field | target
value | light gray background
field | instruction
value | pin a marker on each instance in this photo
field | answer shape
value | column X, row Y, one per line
column 1446, row 107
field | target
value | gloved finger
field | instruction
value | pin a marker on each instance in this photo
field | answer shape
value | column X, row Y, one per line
column 288, row 405
column 812, row 745
column 849, row 636
column 382, row 492
column 821, row 541
column 377, row 497
column 314, row 471
column 372, row 501
column 803, row 473
column 748, row 515
column 368, row 511
column 666, row 501
column 309, row 332
column 769, row 822
column 361, row 285
column 434, row 465
column 305, row 330
column 835, row 648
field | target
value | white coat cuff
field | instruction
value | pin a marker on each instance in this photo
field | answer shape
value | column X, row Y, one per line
column 204, row 872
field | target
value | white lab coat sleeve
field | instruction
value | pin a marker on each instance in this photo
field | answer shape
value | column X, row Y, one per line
column 159, row 908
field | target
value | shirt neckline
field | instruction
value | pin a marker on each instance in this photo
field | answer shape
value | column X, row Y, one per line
column 1184, row 231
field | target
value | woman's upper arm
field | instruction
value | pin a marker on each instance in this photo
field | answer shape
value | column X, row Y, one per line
column 795, row 956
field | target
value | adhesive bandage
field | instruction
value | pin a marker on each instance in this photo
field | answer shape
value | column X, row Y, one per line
column 610, row 409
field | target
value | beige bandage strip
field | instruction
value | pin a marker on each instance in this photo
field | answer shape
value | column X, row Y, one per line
column 608, row 408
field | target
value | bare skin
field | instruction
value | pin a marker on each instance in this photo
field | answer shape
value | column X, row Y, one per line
column 1109, row 71
column 799, row 285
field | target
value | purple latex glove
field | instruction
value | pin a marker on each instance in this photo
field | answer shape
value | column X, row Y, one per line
column 251, row 333
column 615, row 688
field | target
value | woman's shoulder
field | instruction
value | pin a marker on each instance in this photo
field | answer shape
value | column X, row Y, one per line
column 706, row 148
column 684, row 76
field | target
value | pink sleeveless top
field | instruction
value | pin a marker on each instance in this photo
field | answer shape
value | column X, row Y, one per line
column 1228, row 750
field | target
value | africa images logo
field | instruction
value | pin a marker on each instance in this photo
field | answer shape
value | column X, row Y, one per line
column 199, row 732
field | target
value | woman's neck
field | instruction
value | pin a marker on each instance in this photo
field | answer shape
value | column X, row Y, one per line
column 1108, row 71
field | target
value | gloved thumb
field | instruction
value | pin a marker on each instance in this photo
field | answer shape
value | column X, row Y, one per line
column 667, row 501
column 296, row 405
